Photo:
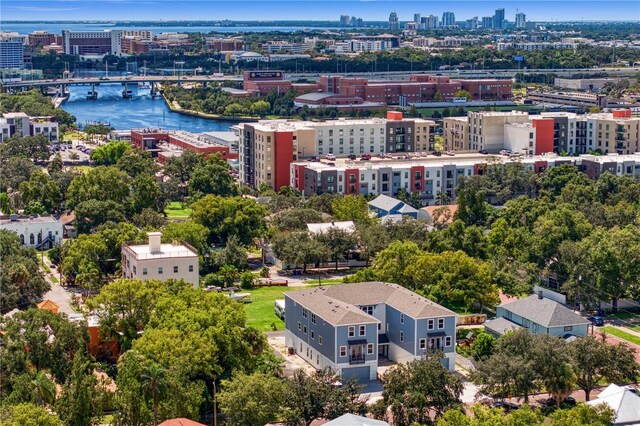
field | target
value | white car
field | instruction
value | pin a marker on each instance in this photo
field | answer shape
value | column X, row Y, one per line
column 330, row 157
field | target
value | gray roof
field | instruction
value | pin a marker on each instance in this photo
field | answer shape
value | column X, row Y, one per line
column 337, row 304
column 314, row 96
column 543, row 311
column 384, row 202
column 353, row 420
column 501, row 326
column 331, row 310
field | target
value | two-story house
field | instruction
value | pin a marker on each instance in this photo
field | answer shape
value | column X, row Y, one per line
column 384, row 206
column 349, row 327
column 540, row 316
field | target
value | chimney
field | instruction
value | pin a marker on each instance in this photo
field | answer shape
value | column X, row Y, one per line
column 154, row 241
column 540, row 295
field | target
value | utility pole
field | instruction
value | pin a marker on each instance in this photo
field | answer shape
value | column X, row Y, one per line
column 214, row 421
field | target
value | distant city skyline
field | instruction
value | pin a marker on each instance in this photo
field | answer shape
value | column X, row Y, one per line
column 369, row 10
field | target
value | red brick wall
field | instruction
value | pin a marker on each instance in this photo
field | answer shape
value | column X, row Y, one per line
column 544, row 135
column 284, row 158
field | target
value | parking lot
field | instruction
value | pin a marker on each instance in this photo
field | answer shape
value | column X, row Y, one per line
column 72, row 152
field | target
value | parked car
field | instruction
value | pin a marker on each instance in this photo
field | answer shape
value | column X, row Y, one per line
column 365, row 157
column 596, row 320
column 505, row 152
column 551, row 402
column 451, row 153
column 330, row 157
column 437, row 153
column 483, row 151
column 278, row 307
column 352, row 157
column 506, row 406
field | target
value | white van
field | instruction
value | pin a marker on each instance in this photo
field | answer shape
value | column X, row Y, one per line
column 278, row 307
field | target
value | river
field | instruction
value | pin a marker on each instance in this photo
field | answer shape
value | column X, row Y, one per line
column 138, row 112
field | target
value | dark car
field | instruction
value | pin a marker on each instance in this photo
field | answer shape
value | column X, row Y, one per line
column 437, row 153
column 352, row 157
column 596, row 320
column 506, row 406
column 483, row 151
column 551, row 402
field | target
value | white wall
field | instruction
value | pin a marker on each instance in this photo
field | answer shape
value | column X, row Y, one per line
column 167, row 265
column 26, row 227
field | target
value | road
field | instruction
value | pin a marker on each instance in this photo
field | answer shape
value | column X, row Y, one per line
column 121, row 80
column 58, row 294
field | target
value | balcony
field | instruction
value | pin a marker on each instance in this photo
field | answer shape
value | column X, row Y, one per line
column 356, row 359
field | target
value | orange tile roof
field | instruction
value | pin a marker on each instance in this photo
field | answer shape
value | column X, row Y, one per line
column 48, row 304
column 180, row 422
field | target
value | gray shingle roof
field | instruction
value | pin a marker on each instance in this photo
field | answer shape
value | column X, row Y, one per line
column 384, row 202
column 353, row 420
column 545, row 312
column 501, row 325
column 336, row 304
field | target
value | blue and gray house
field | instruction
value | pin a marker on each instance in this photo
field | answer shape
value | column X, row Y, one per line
column 384, row 206
column 350, row 327
column 540, row 316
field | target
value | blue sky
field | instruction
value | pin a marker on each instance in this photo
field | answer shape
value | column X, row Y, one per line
column 540, row 10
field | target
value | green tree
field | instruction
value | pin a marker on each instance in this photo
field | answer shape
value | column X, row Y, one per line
column 145, row 194
column 35, row 148
column 5, row 203
column 189, row 232
column 44, row 389
column 100, row 183
column 351, row 207
column 109, row 154
column 298, row 248
column 260, row 108
column 92, row 213
column 82, row 399
column 339, row 243
column 483, row 346
column 583, row 415
column 392, row 264
column 420, row 391
column 154, row 378
column 227, row 216
column 594, row 361
column 463, row 94
column 231, row 254
column 212, row 178
column 135, row 162
column 42, row 189
column 254, row 399
column 29, row 415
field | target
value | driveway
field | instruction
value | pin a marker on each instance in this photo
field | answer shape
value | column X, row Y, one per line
column 57, row 294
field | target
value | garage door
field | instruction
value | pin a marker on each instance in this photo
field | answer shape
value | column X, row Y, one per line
column 361, row 374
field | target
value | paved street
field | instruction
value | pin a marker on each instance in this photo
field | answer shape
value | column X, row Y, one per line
column 57, row 294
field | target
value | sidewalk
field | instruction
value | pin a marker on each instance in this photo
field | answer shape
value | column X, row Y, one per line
column 57, row 294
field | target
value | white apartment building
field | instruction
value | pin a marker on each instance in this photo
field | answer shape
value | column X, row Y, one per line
column 39, row 232
column 537, row 46
column 21, row 125
column 157, row 261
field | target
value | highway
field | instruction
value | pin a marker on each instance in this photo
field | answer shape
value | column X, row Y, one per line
column 396, row 75
column 121, row 80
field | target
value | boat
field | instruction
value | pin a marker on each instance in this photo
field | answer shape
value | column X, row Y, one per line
column 127, row 94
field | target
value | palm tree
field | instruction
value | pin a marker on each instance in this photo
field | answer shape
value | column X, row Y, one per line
column 442, row 198
column 44, row 389
column 154, row 376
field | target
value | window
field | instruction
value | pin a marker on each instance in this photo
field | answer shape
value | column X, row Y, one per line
column 423, row 344
column 568, row 328
column 299, row 326
column 160, row 270
column 313, row 318
column 134, row 269
column 362, row 330
column 367, row 309
column 319, row 340
column 343, row 351
column 447, row 341
column 175, row 269
column 401, row 318
column 402, row 336
column 351, row 331
column 304, row 329
column 440, row 322
column 190, row 268
column 370, row 349
column 144, row 271
column 304, row 313
column 430, row 324
column 313, row 335
column 317, row 359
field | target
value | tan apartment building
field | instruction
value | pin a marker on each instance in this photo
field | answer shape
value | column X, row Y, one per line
column 157, row 261
column 615, row 132
column 486, row 128
column 456, row 133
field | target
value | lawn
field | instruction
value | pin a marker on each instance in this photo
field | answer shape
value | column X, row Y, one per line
column 83, row 169
column 177, row 210
column 621, row 334
column 260, row 313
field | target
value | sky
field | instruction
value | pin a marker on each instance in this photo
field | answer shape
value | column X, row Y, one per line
column 374, row 10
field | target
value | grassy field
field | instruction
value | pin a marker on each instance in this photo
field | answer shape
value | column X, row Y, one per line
column 176, row 210
column 260, row 313
column 621, row 334
column 83, row 169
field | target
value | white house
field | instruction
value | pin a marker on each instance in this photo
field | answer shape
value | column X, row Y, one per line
column 39, row 232
column 157, row 261
column 624, row 403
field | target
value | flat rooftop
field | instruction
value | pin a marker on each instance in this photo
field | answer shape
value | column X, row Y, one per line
column 6, row 219
column 167, row 251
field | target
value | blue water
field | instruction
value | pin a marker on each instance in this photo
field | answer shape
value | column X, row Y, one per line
column 138, row 112
column 57, row 27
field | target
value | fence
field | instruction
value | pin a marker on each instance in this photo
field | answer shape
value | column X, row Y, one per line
column 472, row 319
column 465, row 363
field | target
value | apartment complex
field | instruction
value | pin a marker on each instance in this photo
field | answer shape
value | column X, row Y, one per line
column 11, row 51
column 157, row 261
column 92, row 43
column 350, row 327
column 427, row 177
column 614, row 132
column 267, row 148
column 21, row 125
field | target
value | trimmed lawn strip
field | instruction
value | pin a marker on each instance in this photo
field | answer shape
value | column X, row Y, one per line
column 175, row 210
column 621, row 334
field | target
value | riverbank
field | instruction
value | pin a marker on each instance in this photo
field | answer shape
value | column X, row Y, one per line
column 175, row 107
